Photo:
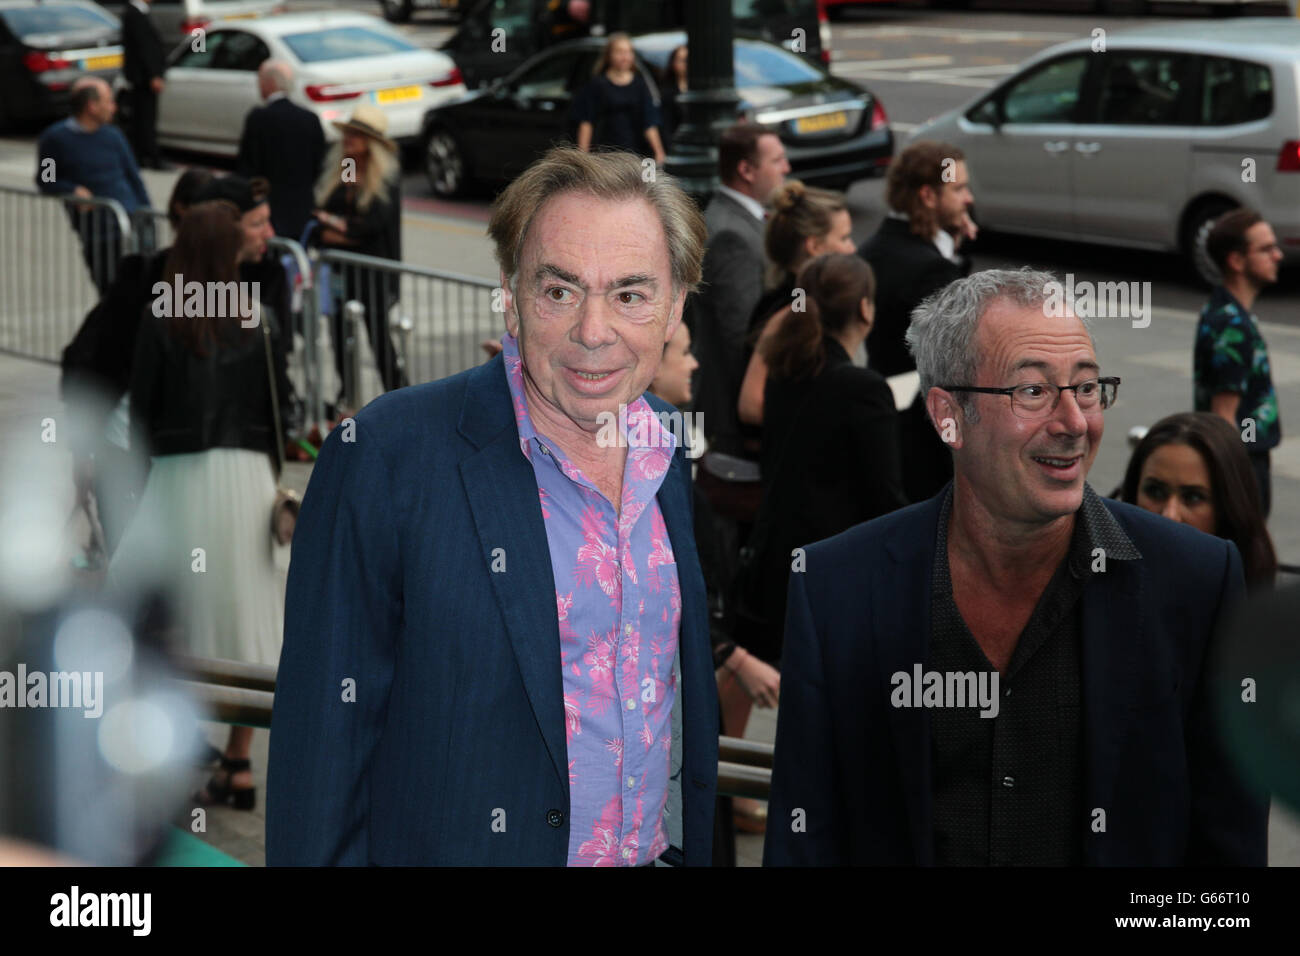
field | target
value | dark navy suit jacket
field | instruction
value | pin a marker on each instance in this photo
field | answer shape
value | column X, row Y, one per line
column 859, row 769
column 453, row 751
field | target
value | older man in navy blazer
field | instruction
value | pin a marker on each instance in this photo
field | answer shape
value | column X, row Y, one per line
column 496, row 645
column 1014, row 672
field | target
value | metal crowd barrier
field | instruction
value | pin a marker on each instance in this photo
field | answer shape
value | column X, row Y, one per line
column 56, row 253
column 232, row 692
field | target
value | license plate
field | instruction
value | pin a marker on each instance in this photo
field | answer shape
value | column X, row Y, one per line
column 821, row 122
column 398, row 94
column 240, row 16
column 112, row 62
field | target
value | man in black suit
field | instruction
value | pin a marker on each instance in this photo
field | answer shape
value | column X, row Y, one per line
column 1015, row 672
column 285, row 145
column 144, row 54
column 752, row 165
column 914, row 253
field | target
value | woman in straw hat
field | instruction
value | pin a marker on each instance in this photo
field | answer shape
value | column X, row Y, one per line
column 360, row 200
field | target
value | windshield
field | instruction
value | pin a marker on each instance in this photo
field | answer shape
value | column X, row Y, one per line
column 28, row 21
column 342, row 43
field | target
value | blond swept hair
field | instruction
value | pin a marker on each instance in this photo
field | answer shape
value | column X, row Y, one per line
column 380, row 172
column 799, row 212
column 613, row 176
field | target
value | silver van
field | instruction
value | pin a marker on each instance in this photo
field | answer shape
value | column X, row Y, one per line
column 1141, row 138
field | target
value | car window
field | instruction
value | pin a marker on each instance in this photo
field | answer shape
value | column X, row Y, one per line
column 341, row 43
column 513, row 16
column 53, row 18
column 1141, row 89
column 240, row 51
column 768, row 66
column 1048, row 95
column 549, row 77
column 192, row 59
column 1234, row 91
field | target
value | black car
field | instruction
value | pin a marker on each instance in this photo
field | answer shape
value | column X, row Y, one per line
column 495, row 37
column 835, row 132
column 45, row 48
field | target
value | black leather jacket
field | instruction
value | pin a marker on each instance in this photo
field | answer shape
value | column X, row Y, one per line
column 183, row 403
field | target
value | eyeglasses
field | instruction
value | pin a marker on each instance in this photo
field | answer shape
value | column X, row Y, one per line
column 1039, row 399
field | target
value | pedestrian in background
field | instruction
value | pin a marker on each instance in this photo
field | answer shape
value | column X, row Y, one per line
column 917, row 251
column 1231, row 373
column 616, row 109
column 96, row 377
column 751, row 166
column 1192, row 468
column 201, row 407
column 285, row 145
column 85, row 155
column 360, row 210
column 144, row 61
column 805, row 223
column 672, row 85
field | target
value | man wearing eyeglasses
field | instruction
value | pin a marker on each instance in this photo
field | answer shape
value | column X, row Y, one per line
column 1015, row 671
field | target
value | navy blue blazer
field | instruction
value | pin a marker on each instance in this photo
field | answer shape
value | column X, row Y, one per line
column 859, row 769
column 453, row 749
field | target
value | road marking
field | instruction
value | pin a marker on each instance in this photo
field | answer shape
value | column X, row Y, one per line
column 903, row 127
column 892, row 64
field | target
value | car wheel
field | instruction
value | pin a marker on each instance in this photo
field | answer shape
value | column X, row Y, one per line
column 444, row 164
column 1195, row 231
column 396, row 11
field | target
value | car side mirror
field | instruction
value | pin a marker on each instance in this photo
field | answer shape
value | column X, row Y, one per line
column 989, row 112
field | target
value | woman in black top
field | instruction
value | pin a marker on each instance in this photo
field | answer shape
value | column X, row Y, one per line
column 616, row 109
column 671, row 86
column 833, row 429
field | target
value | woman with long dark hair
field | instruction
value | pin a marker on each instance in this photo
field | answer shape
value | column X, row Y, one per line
column 1191, row 467
column 672, row 84
column 201, row 407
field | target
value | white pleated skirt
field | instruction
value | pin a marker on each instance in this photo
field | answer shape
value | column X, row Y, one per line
column 203, row 533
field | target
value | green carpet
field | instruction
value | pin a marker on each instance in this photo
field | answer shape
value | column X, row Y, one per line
column 185, row 849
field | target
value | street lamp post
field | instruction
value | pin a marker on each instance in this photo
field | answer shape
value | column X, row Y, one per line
column 709, row 104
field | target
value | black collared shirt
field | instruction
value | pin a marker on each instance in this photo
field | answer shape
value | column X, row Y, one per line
column 1008, row 790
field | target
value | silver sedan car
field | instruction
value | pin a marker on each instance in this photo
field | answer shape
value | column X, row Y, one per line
column 339, row 60
column 1144, row 141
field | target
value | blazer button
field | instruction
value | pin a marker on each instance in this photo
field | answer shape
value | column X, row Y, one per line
column 555, row 818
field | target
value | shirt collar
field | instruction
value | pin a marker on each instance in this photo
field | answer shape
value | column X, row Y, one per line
column 141, row 6
column 942, row 240
column 640, row 427
column 277, row 95
column 754, row 207
column 1221, row 297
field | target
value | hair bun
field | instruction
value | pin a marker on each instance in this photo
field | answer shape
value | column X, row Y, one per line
column 788, row 196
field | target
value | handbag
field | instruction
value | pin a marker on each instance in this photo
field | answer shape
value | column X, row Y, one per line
column 284, row 512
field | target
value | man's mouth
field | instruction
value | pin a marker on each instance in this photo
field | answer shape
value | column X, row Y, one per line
column 1064, row 467
column 593, row 381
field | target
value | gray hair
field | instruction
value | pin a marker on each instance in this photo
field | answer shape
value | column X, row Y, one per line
column 942, row 334
column 278, row 72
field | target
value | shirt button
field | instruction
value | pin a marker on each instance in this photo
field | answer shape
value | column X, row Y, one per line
column 627, row 853
column 631, row 781
column 555, row 818
column 1008, row 782
column 631, row 705
column 627, row 629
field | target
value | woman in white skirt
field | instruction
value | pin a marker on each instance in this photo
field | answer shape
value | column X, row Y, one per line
column 201, row 406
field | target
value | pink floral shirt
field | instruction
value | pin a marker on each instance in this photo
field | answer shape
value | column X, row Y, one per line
column 619, row 608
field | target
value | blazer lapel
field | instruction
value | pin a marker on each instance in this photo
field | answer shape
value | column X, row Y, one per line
column 901, row 625
column 1112, row 626
column 502, row 492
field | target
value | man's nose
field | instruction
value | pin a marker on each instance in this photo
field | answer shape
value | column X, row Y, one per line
column 595, row 323
column 1069, row 414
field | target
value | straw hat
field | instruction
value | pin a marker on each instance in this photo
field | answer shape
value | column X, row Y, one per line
column 369, row 121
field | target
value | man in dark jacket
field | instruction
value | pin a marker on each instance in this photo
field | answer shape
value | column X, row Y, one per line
column 144, row 53
column 914, row 254
column 285, row 145
column 1085, row 629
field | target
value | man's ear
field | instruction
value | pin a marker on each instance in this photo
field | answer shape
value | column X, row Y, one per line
column 946, row 416
column 675, row 316
column 508, row 304
column 929, row 196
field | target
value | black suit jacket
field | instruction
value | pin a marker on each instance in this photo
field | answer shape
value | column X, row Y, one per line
column 284, row 143
column 858, row 769
column 142, row 49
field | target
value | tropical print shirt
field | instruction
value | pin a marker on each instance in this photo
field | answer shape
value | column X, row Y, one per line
column 1232, row 356
column 619, row 608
